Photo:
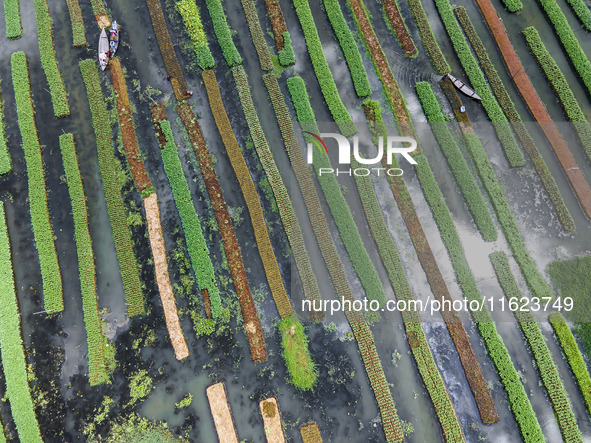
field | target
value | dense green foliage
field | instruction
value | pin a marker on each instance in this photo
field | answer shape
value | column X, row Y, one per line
column 582, row 12
column 543, row 358
column 500, row 91
column 496, row 193
column 223, row 32
column 456, row 162
column 470, row 65
column 513, row 5
column 573, row 279
column 12, row 17
column 97, row 370
column 77, row 22
column 294, row 342
column 349, row 47
column 329, row 89
column 11, row 347
column 334, row 197
column 257, row 35
column 189, row 11
column 98, row 7
column 286, row 55
column 5, row 159
column 115, row 208
column 44, row 240
column 431, row 46
column 59, row 97
column 563, row 91
column 573, row 356
column 196, row 244
column 569, row 41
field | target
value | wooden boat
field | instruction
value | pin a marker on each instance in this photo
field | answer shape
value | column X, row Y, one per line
column 113, row 39
column 464, row 88
column 103, row 49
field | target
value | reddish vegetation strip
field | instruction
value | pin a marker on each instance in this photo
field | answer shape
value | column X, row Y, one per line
column 171, row 62
column 132, row 152
column 165, row 288
column 311, row 434
column 250, row 194
column 252, row 324
column 399, row 28
column 222, row 415
column 277, row 21
column 482, row 396
column 536, row 106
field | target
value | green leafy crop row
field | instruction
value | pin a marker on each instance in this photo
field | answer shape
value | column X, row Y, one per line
column 258, row 37
column 500, row 91
column 223, row 32
column 478, row 82
column 98, row 7
column 12, row 17
column 334, row 197
column 44, row 242
column 11, row 347
column 294, row 343
column 286, row 55
column 582, row 12
column 78, row 32
column 456, row 162
column 349, row 47
column 5, row 160
column 196, row 244
column 115, row 208
column 189, row 11
column 97, row 370
column 325, row 79
column 563, row 91
column 59, row 97
column 543, row 358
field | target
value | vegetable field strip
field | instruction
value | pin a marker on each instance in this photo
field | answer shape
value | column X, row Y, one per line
column 425, row 254
column 544, row 363
column 256, row 33
column 42, row 230
column 399, row 29
column 171, row 62
column 11, row 346
column 59, row 97
column 310, row 433
column 277, row 22
column 12, row 17
column 5, row 159
column 530, row 96
column 254, row 333
column 272, row 420
column 100, row 13
column 97, row 370
column 361, row 331
column 223, row 32
column 222, row 415
column 115, row 208
column 78, row 32
column 498, row 87
column 294, row 344
column 190, row 14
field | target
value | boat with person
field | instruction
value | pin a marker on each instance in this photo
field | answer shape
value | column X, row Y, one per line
column 103, row 49
column 463, row 87
column 113, row 39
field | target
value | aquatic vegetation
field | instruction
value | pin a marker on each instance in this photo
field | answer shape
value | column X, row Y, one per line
column 277, row 22
column 520, row 129
column 5, row 159
column 339, row 208
column 429, row 42
column 59, row 97
column 478, row 82
column 398, row 27
column 582, row 12
column 302, row 370
column 456, row 162
column 325, row 79
column 559, row 84
column 115, row 208
column 12, row 17
column 78, row 32
column 547, row 370
column 42, row 230
column 12, row 349
column 286, row 211
column 349, row 47
column 196, row 244
column 223, row 32
column 256, row 33
column 189, row 11
column 185, row 402
column 140, row 386
column 573, row 356
column 286, row 55
column 97, row 371
column 252, row 323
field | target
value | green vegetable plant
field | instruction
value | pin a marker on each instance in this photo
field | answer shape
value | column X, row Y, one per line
column 12, row 17
column 257, row 35
column 42, row 230
column 327, row 85
column 349, row 47
column 294, row 343
column 78, row 32
column 286, row 55
column 59, row 97
column 190, row 14
column 582, row 12
column 97, row 370
column 115, row 208
column 5, row 159
column 12, row 349
column 223, row 32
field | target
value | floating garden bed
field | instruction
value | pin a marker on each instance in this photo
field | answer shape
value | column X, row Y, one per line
column 294, row 343
column 223, row 32
column 398, row 28
column 190, row 14
column 582, row 12
column 100, row 13
column 12, row 17
column 42, row 230
column 78, row 32
column 310, row 433
column 221, row 413
column 12, row 349
column 256, row 33
column 5, row 159
column 277, row 22
column 115, row 208
column 272, row 420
